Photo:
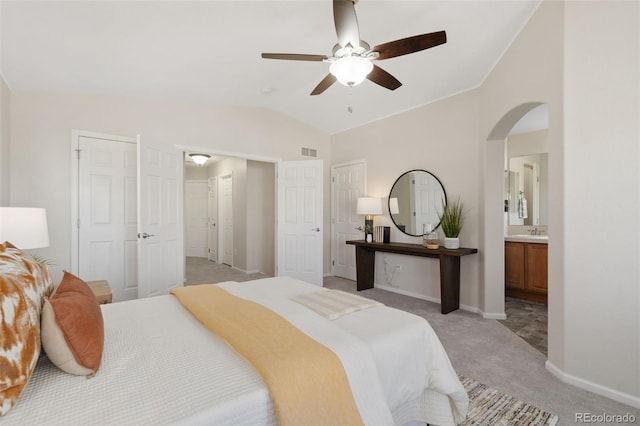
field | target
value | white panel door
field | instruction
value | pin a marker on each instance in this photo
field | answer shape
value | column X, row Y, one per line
column 347, row 184
column 160, row 248
column 213, row 220
column 226, row 218
column 196, row 208
column 428, row 195
column 299, row 234
column 107, row 225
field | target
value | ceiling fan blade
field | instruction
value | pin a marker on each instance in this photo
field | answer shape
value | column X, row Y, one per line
column 324, row 84
column 410, row 45
column 294, row 57
column 383, row 78
column 346, row 22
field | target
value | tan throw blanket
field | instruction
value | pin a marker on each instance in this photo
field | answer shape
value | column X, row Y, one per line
column 306, row 380
column 332, row 304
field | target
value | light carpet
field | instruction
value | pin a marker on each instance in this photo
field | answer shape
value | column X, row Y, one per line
column 488, row 406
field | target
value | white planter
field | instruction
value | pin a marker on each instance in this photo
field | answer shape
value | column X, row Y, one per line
column 451, row 243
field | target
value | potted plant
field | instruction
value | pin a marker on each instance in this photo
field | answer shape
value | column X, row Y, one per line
column 451, row 221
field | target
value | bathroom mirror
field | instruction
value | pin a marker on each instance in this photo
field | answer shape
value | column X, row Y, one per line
column 415, row 200
column 527, row 190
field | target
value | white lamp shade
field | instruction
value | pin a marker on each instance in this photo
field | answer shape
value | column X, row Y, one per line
column 351, row 70
column 369, row 206
column 24, row 227
column 393, row 206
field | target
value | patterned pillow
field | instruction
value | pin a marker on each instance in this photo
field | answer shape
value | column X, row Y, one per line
column 23, row 284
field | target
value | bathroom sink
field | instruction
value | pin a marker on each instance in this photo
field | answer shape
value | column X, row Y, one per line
column 524, row 238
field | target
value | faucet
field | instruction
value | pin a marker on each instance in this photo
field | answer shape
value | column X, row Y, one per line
column 535, row 231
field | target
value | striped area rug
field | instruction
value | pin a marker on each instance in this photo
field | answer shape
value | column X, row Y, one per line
column 488, row 406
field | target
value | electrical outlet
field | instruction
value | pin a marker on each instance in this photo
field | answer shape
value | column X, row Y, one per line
column 399, row 268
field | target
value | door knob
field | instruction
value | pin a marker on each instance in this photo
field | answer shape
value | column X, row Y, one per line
column 144, row 235
column 316, row 229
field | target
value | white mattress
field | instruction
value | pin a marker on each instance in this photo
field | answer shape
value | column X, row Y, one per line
column 161, row 366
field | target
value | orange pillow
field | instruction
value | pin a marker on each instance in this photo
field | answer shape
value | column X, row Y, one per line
column 23, row 283
column 72, row 327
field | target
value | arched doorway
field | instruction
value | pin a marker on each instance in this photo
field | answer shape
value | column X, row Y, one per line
column 493, row 230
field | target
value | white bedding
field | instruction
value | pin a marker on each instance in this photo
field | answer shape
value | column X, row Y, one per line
column 161, row 366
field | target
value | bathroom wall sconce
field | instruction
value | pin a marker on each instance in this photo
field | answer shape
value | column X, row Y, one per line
column 368, row 206
column 199, row 159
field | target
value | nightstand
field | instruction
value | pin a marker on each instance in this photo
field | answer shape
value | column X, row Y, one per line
column 101, row 290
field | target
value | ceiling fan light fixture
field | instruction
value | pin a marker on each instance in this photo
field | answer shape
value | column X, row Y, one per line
column 199, row 159
column 351, row 70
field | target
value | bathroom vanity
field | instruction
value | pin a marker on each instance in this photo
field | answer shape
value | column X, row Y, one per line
column 525, row 267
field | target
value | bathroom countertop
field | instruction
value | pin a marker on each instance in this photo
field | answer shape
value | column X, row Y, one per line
column 526, row 238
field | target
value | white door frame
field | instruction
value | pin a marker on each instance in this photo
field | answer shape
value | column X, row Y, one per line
column 75, row 182
column 362, row 161
column 213, row 220
column 221, row 180
column 243, row 155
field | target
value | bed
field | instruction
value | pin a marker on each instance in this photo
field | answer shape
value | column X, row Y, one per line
column 160, row 365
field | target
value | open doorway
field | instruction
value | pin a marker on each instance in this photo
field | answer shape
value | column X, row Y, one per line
column 525, row 225
column 234, row 219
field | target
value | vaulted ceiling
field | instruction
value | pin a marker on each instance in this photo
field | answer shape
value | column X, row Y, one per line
column 209, row 51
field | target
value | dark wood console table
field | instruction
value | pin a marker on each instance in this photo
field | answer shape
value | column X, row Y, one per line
column 449, row 266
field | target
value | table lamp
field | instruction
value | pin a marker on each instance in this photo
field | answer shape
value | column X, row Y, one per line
column 24, row 227
column 368, row 206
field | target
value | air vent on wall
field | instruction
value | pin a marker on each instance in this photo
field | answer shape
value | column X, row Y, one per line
column 309, row 152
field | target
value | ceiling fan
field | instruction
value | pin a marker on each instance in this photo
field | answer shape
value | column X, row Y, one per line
column 351, row 59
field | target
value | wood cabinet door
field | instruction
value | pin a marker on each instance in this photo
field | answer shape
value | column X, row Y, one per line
column 536, row 268
column 514, row 264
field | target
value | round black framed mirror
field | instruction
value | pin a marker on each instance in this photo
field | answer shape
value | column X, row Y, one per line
column 415, row 200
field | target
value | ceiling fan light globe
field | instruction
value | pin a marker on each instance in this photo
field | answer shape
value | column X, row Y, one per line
column 351, row 70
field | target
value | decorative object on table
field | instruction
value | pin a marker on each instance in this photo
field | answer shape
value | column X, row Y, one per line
column 386, row 235
column 451, row 221
column 368, row 206
column 430, row 237
column 382, row 234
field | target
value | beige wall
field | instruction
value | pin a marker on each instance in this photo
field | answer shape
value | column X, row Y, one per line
column 587, row 73
column 196, row 173
column 5, row 134
column 602, row 197
column 261, row 209
column 441, row 138
column 529, row 73
column 536, row 142
column 41, row 126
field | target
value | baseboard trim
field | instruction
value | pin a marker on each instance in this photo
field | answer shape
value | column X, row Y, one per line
column 327, row 274
column 618, row 396
column 492, row 315
column 254, row 271
column 423, row 297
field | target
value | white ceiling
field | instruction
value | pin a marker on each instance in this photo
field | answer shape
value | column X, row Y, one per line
column 209, row 51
